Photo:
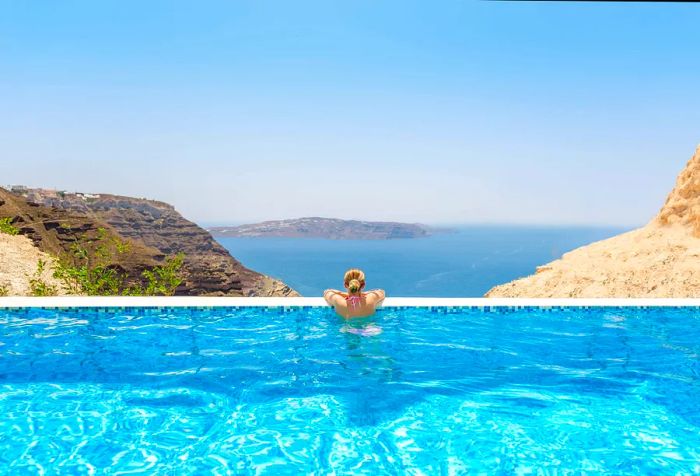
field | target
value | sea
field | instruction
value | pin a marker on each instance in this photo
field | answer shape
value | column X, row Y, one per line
column 465, row 263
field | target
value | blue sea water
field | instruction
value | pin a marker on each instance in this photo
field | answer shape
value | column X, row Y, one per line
column 463, row 264
column 291, row 391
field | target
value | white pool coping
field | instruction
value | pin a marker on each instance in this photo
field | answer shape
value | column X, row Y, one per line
column 192, row 301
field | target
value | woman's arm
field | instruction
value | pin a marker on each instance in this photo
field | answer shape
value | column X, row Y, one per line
column 378, row 296
column 330, row 294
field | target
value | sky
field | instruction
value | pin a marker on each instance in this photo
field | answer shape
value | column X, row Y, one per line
column 435, row 112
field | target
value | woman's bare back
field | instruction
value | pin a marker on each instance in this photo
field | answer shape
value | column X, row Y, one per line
column 359, row 305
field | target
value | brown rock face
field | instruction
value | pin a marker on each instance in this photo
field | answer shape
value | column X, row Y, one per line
column 661, row 259
column 208, row 269
column 683, row 204
column 54, row 231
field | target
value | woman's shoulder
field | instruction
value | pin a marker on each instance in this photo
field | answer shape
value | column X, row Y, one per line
column 375, row 295
column 376, row 292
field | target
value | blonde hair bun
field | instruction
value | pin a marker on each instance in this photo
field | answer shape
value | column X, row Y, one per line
column 354, row 280
column 354, row 285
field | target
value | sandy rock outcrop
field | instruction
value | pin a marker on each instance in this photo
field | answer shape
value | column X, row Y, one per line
column 19, row 259
column 661, row 259
column 682, row 206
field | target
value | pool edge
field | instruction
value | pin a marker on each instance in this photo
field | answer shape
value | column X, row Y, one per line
column 196, row 301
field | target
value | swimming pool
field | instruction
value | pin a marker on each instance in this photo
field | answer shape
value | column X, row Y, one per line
column 295, row 390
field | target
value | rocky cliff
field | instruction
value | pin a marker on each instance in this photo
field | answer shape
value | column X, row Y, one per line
column 54, row 231
column 329, row 228
column 661, row 259
column 160, row 231
column 682, row 206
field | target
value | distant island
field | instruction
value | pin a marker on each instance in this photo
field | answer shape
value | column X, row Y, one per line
column 329, row 228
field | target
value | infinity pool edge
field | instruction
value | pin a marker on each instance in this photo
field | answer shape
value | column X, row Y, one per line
column 195, row 301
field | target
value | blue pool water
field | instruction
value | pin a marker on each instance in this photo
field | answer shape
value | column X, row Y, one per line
column 291, row 391
column 463, row 264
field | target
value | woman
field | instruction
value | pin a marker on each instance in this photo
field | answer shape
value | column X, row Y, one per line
column 354, row 303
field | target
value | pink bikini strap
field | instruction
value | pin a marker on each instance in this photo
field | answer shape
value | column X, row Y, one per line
column 354, row 301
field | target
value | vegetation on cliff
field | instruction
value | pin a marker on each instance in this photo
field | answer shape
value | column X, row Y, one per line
column 90, row 271
column 7, row 227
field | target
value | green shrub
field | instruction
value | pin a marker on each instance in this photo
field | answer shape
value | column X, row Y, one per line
column 90, row 270
column 4, row 290
column 164, row 280
column 7, row 227
column 37, row 285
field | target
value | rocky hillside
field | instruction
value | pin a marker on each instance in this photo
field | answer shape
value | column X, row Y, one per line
column 661, row 259
column 157, row 230
column 329, row 228
column 54, row 231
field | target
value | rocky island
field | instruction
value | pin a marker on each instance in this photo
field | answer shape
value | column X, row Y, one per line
column 329, row 228
column 661, row 259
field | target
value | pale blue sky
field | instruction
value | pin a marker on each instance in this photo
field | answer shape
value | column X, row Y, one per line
column 452, row 112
